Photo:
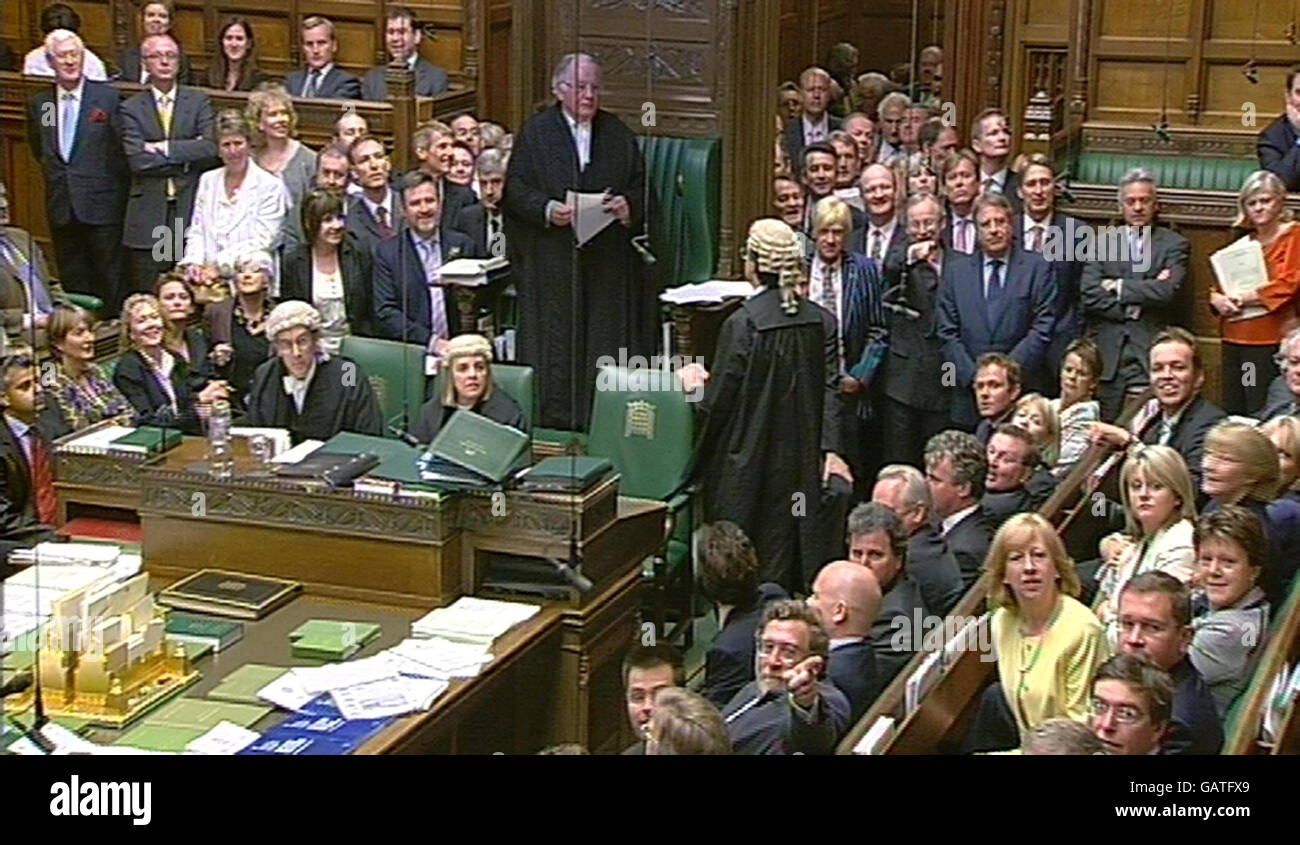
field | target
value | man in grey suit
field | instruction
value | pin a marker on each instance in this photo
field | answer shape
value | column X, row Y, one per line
column 27, row 292
column 167, row 134
column 321, row 77
column 403, row 41
column 1128, row 297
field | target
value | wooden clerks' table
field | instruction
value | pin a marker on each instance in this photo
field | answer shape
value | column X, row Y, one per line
column 379, row 558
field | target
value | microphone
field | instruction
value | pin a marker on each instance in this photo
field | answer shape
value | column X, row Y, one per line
column 575, row 578
column 405, row 436
column 18, row 683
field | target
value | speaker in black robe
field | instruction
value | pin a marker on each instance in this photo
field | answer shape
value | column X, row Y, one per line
column 576, row 304
column 339, row 398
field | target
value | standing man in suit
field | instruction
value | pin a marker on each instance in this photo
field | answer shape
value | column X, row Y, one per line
column 411, row 304
column 903, row 490
column 1128, row 293
column 74, row 130
column 883, row 238
column 402, row 38
column 168, row 136
column 374, row 215
column 890, row 114
column 433, row 144
column 320, row 78
column 1278, row 144
column 846, row 598
column 961, row 188
column 997, row 300
column 955, row 468
column 483, row 221
column 28, row 502
column 990, row 136
column 576, row 304
column 815, row 125
column 917, row 404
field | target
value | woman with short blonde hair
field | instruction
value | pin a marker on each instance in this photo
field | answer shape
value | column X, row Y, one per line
column 1285, row 434
column 275, row 129
column 684, row 722
column 1035, row 414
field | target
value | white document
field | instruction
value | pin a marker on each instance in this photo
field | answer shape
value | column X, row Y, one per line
column 473, row 620
column 99, row 441
column 374, row 700
column 853, row 197
column 590, row 216
column 287, row 692
column 437, row 657
column 707, row 293
column 922, row 680
column 331, row 676
column 297, row 453
column 876, row 737
column 225, row 739
column 1241, row 270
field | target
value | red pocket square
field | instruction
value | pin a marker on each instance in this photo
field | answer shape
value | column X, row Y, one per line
column 98, row 116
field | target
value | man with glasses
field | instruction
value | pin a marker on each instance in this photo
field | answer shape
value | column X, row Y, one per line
column 577, row 303
column 1284, row 393
column 1131, row 705
column 1155, row 622
column 903, row 490
column 789, row 708
column 167, row 134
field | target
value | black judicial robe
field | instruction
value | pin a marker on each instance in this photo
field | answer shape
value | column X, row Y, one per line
column 575, row 304
column 769, row 414
column 338, row 399
column 498, row 407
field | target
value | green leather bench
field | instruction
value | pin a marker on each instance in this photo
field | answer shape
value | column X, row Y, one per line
column 685, row 176
column 1186, row 172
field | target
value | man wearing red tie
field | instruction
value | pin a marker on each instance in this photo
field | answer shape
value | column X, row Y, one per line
column 28, row 503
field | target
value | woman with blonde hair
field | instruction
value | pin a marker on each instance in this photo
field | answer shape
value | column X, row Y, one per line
column 1285, row 434
column 1037, row 417
column 1159, row 517
column 277, row 151
column 467, row 386
column 684, row 722
column 1252, row 325
column 1048, row 644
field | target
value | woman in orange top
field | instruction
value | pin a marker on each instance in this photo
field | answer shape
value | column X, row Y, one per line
column 1254, row 340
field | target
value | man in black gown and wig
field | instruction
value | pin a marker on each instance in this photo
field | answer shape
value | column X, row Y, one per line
column 576, row 303
column 771, row 428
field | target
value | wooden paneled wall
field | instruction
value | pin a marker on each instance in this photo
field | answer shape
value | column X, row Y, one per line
column 881, row 30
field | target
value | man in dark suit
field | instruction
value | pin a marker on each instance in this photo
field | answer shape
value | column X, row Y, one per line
column 728, row 573
column 917, row 404
column 411, row 304
column 998, row 384
column 815, row 124
column 990, row 137
column 374, row 215
column 902, row 489
column 788, row 708
column 961, row 188
column 997, row 300
column 402, row 37
column 882, row 236
column 168, row 137
column 878, row 541
column 646, row 670
column 1155, row 621
column 1284, row 391
column 482, row 221
column 846, row 598
column 1042, row 229
column 1132, row 706
column 1128, row 292
column 433, row 144
column 28, row 502
column 1016, row 481
column 74, row 131
column 321, row 78
column 955, row 469
column 1278, row 144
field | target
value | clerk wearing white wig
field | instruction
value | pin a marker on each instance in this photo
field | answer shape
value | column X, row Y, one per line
column 468, row 360
column 305, row 390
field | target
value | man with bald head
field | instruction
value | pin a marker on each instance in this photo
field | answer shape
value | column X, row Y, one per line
column 846, row 599
column 903, row 490
column 884, row 237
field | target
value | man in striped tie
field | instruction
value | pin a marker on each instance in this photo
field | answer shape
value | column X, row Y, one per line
column 28, row 503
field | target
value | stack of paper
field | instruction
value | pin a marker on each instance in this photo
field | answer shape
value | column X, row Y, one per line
column 24, row 609
column 707, row 293
column 876, row 737
column 373, row 688
column 436, row 657
column 98, row 441
column 62, row 554
column 473, row 620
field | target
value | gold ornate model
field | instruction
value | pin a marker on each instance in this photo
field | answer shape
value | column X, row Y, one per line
column 103, row 656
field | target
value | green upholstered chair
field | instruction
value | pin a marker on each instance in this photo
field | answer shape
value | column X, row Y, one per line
column 646, row 429
column 515, row 380
column 396, row 372
column 685, row 176
column 1186, row 172
column 90, row 302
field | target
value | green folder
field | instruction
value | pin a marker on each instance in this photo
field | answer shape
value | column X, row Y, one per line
column 331, row 639
column 152, row 737
column 222, row 632
column 242, row 685
column 205, row 715
column 152, row 438
column 479, row 444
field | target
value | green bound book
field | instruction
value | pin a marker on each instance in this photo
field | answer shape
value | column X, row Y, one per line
column 222, row 633
column 242, row 685
column 566, row 474
column 149, row 439
column 483, row 446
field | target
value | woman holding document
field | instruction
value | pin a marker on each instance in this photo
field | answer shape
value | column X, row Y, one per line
column 1256, row 305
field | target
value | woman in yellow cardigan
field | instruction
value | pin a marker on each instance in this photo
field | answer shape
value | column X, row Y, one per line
column 1048, row 643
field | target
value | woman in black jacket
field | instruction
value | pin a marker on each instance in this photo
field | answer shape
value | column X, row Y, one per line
column 236, row 326
column 468, row 387
column 330, row 270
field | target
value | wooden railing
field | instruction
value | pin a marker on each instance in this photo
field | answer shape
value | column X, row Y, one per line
column 1242, row 730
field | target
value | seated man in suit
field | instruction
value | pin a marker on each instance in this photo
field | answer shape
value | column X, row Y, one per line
column 433, row 144
column 27, row 292
column 169, row 137
column 990, row 137
column 402, row 38
column 28, row 502
column 320, row 78
column 955, row 468
column 997, row 388
column 788, row 708
column 1155, row 622
column 1285, row 401
column 1132, row 702
column 728, row 573
column 373, row 216
column 878, row 541
column 1278, row 145
column 410, row 302
column 997, row 300
column 155, row 19
column 846, row 598
column 1016, row 480
column 1128, row 297
column 482, row 221
column 646, row 671
column 903, row 490
column 815, row 124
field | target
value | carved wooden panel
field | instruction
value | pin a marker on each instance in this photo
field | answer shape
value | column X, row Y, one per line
column 1253, row 19
column 1133, row 91
column 1155, row 19
column 1047, row 13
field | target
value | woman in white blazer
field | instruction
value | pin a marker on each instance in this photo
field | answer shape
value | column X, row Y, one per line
column 1159, row 509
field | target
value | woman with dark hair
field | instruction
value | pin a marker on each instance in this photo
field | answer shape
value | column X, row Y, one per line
column 81, row 392
column 330, row 270
column 235, row 67
column 187, row 342
column 156, row 18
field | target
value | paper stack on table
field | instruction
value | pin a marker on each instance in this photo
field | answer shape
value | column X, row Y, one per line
column 23, row 610
column 473, row 620
column 371, row 688
column 440, row 658
column 60, row 554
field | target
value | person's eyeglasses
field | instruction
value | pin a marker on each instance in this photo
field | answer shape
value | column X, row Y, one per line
column 299, row 344
column 169, row 56
column 784, row 652
column 584, row 88
column 1125, row 714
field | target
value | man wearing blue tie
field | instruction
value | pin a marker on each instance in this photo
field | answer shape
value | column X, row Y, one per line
column 997, row 299
column 27, row 293
column 74, row 131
